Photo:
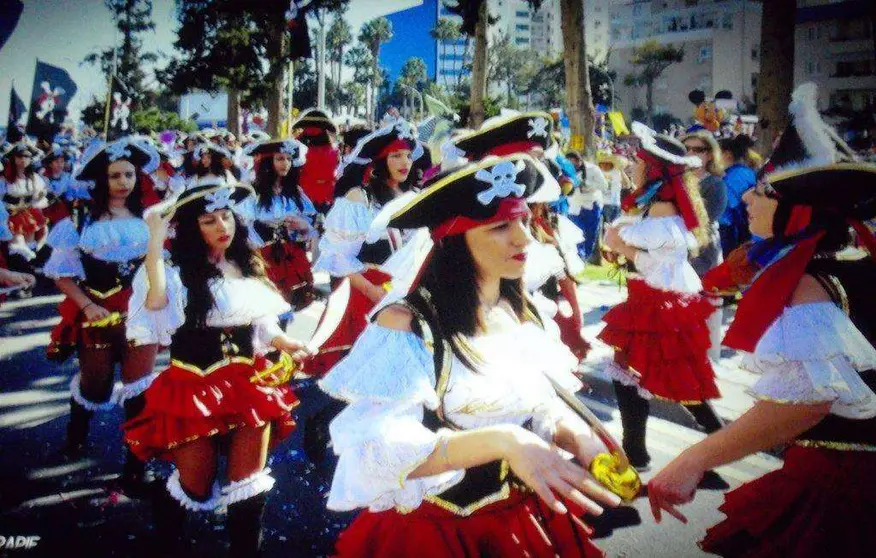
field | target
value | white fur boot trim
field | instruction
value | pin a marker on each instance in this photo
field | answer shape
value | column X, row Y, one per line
column 175, row 489
column 77, row 396
column 244, row 489
column 124, row 392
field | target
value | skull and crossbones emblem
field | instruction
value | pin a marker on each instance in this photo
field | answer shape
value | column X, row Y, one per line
column 219, row 199
column 47, row 101
column 121, row 111
column 537, row 127
column 117, row 150
column 404, row 130
column 502, row 179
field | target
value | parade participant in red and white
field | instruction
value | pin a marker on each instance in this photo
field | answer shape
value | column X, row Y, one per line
column 24, row 194
column 65, row 194
column 659, row 333
column 451, row 434
column 552, row 257
column 317, row 131
column 283, row 218
column 378, row 172
column 10, row 279
column 93, row 262
column 808, row 326
column 212, row 303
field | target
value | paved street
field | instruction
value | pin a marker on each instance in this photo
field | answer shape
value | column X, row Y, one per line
column 73, row 507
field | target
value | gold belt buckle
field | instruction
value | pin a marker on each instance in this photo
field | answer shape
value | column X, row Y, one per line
column 611, row 472
column 276, row 374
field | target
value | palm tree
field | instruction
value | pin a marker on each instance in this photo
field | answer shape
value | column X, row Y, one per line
column 446, row 30
column 373, row 34
column 579, row 100
column 339, row 36
column 359, row 58
column 776, row 79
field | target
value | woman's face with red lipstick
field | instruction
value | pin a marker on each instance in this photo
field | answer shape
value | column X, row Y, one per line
column 499, row 249
column 218, row 229
column 399, row 164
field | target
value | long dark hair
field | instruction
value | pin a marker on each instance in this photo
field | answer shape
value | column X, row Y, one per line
column 455, row 300
column 216, row 168
column 833, row 224
column 190, row 253
column 10, row 172
column 264, row 183
column 99, row 205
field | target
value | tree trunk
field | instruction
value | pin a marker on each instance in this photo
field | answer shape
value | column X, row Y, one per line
column 275, row 79
column 479, row 71
column 579, row 101
column 649, row 101
column 776, row 79
column 233, row 116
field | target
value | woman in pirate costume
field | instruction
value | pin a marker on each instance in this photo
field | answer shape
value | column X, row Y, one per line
column 552, row 260
column 209, row 161
column 808, row 326
column 316, row 130
column 10, row 278
column 447, row 436
column 24, row 194
column 65, row 193
column 378, row 173
column 283, row 217
column 93, row 262
column 213, row 305
column 659, row 333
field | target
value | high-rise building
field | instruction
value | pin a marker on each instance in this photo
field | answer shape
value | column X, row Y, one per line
column 833, row 47
column 721, row 40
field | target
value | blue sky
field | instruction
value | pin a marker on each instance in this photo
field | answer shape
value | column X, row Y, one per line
column 63, row 32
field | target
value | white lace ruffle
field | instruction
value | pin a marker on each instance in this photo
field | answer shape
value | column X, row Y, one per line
column 237, row 302
column 543, row 261
column 346, row 228
column 175, row 489
column 814, row 353
column 118, row 240
column 133, row 389
column 663, row 258
column 384, row 366
column 378, row 447
column 244, row 489
column 77, row 396
column 626, row 377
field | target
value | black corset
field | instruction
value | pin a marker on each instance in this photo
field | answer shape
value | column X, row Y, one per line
column 16, row 202
column 375, row 253
column 200, row 348
column 105, row 276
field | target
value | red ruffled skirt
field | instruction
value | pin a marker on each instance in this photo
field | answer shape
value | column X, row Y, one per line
column 182, row 406
column 74, row 331
column 351, row 326
column 521, row 525
column 290, row 270
column 820, row 503
column 663, row 336
column 27, row 222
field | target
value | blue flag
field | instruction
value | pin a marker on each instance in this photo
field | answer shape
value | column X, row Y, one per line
column 10, row 11
column 52, row 90
column 14, row 127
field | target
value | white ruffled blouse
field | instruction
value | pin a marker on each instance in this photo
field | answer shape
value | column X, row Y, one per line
column 388, row 379
column 662, row 261
column 346, row 228
column 116, row 240
column 238, row 302
column 544, row 260
column 68, row 187
column 33, row 188
column 813, row 353
column 281, row 208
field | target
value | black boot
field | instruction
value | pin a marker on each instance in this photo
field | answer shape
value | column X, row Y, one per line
column 135, row 480
column 705, row 416
column 169, row 519
column 244, row 526
column 634, row 419
column 77, row 430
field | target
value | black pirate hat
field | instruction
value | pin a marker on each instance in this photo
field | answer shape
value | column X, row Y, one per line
column 204, row 196
column 352, row 136
column 22, row 147
column 315, row 118
column 845, row 188
column 456, row 200
column 292, row 147
column 518, row 132
column 99, row 156
column 376, row 144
